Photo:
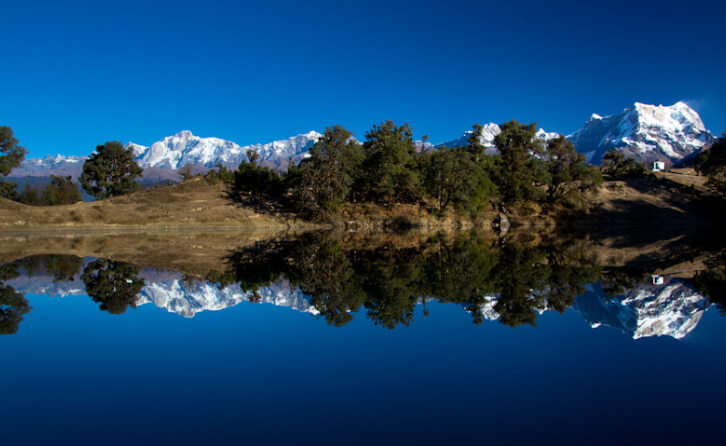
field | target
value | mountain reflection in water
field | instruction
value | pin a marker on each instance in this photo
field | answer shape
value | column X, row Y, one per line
column 337, row 280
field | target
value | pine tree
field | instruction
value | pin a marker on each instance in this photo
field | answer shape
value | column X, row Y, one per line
column 324, row 179
column 12, row 156
column 61, row 190
column 110, row 171
column 712, row 162
column 389, row 169
column 568, row 173
column 521, row 166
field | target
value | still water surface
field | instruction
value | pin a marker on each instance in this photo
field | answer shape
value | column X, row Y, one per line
column 315, row 342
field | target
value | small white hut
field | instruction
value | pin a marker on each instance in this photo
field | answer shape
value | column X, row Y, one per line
column 657, row 166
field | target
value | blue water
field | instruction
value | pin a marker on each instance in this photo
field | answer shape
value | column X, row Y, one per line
column 261, row 374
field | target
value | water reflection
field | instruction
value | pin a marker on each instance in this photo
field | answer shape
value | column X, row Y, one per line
column 13, row 305
column 339, row 279
column 114, row 285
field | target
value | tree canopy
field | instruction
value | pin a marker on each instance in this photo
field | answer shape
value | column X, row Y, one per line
column 325, row 177
column 712, row 162
column 521, row 164
column 114, row 285
column 12, row 155
column 389, row 171
column 110, row 171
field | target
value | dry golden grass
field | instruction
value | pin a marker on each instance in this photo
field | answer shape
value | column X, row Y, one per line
column 190, row 204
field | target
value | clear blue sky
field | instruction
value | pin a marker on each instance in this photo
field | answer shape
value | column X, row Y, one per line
column 78, row 74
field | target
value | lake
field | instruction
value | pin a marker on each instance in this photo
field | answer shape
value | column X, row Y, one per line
column 320, row 339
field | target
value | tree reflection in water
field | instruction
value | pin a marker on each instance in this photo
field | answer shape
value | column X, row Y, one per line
column 13, row 305
column 115, row 285
column 522, row 278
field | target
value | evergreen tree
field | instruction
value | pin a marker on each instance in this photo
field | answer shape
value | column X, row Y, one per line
column 30, row 195
column 324, row 179
column 389, row 169
column 110, row 171
column 712, row 162
column 454, row 177
column 61, row 190
column 568, row 173
column 521, row 166
column 616, row 164
column 12, row 156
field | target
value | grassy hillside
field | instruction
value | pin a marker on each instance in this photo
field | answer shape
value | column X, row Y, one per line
column 193, row 203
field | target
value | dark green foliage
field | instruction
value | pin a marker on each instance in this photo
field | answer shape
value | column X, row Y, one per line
column 513, row 282
column 462, row 273
column 8, row 189
column 110, row 171
column 325, row 272
column 30, row 196
column 521, row 169
column 323, row 181
column 13, row 305
column 258, row 181
column 475, row 147
column 12, row 156
column 114, row 285
column 61, row 190
column 220, row 174
column 389, row 172
column 617, row 165
column 712, row 162
column 712, row 281
column 569, row 176
column 456, row 177
column 61, row 267
column 12, row 153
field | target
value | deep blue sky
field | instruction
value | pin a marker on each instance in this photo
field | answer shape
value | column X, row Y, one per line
column 75, row 75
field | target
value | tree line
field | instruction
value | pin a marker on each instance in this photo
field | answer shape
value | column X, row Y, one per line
column 387, row 168
column 513, row 282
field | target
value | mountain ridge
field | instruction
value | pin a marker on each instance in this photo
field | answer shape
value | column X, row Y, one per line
column 644, row 132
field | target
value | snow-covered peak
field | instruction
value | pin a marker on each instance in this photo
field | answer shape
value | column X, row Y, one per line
column 489, row 132
column 185, row 298
column 185, row 148
column 671, row 309
column 644, row 132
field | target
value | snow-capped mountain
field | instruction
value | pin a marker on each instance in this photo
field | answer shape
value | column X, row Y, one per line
column 489, row 132
column 50, row 165
column 170, row 291
column 671, row 309
column 176, row 295
column 181, row 149
column 644, row 132
column 184, row 148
